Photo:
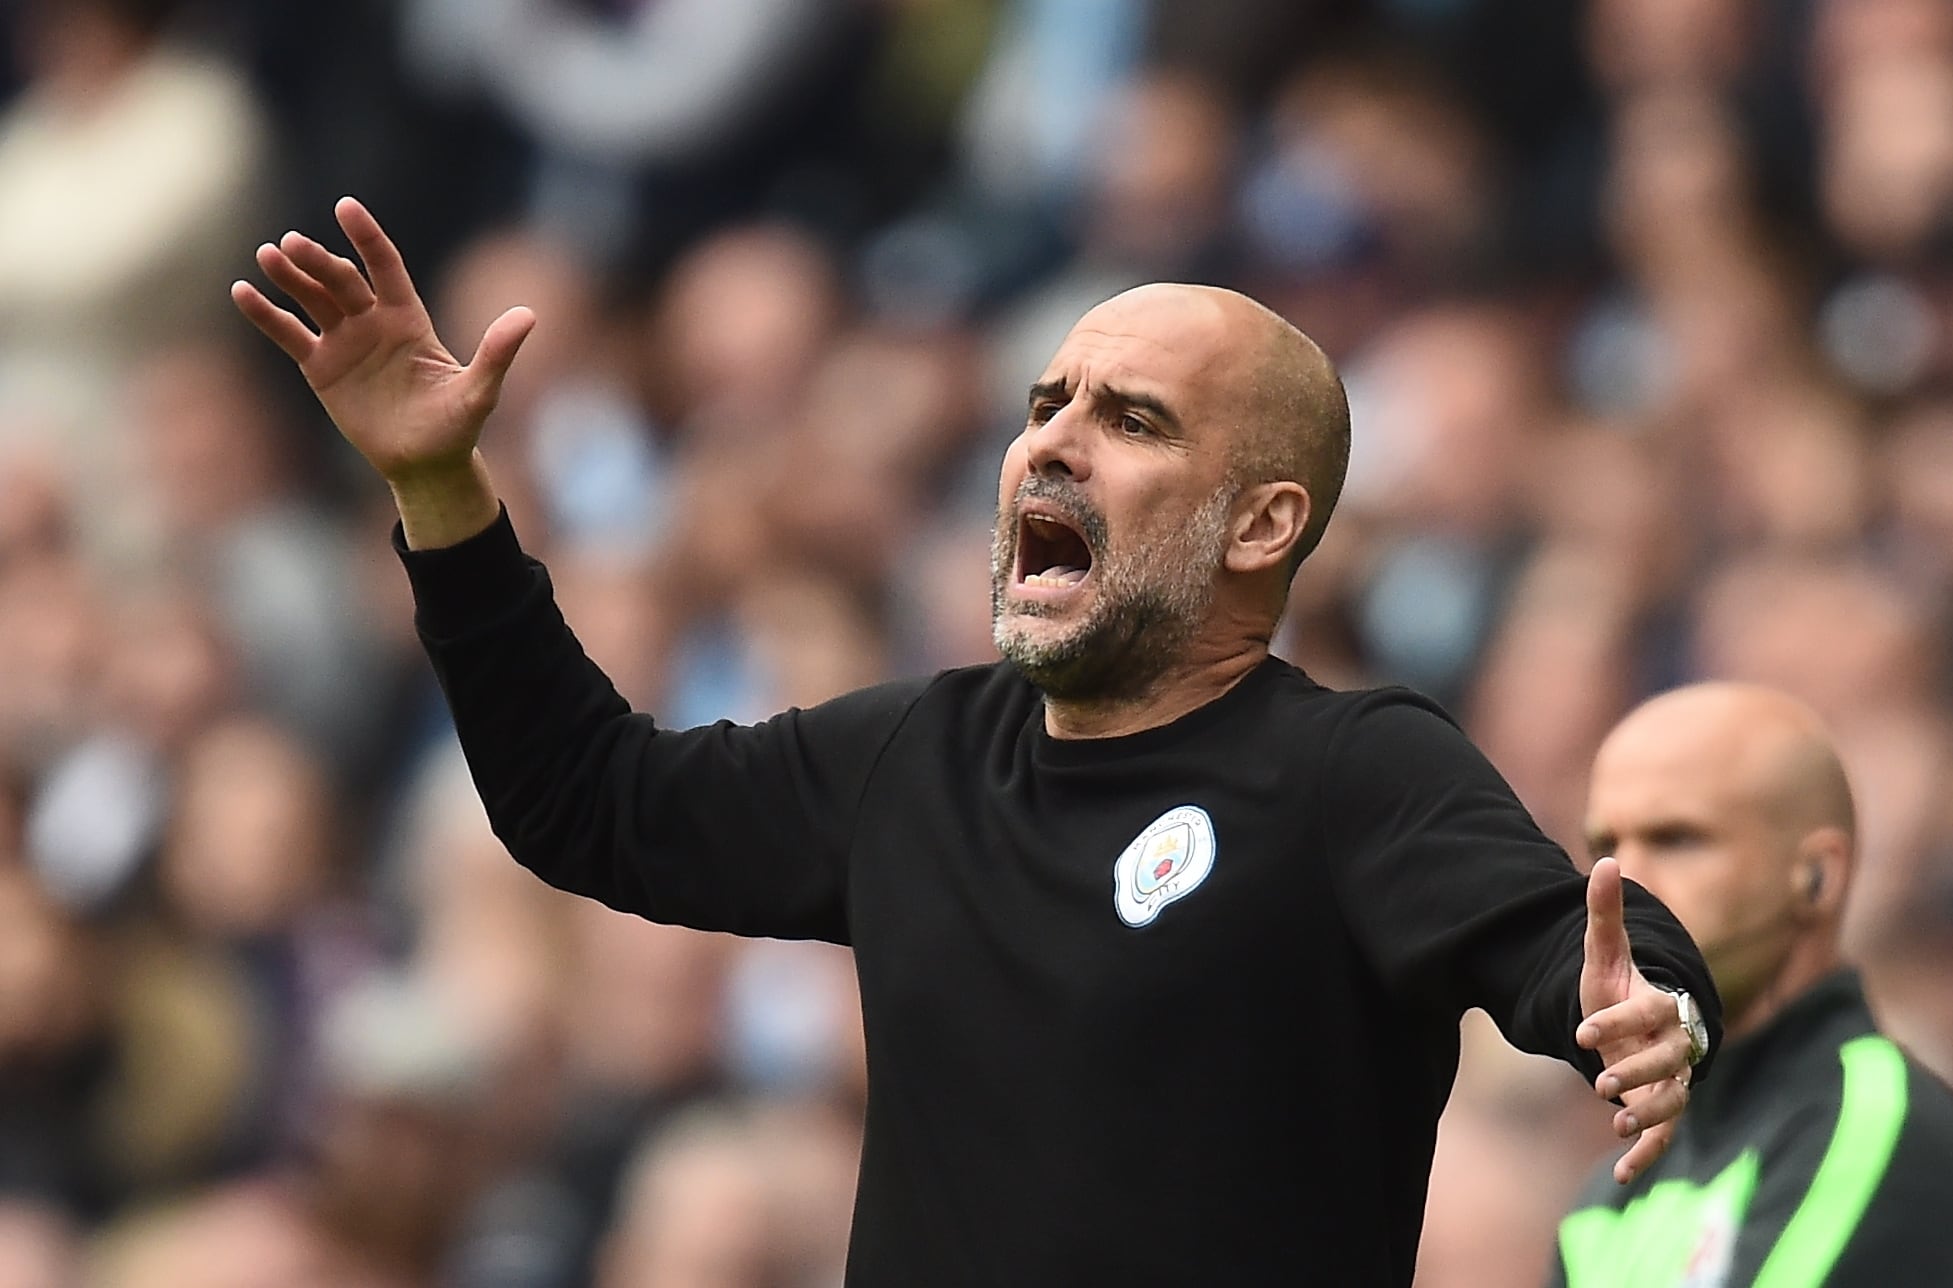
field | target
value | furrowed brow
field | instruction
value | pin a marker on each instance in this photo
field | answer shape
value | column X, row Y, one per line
column 1051, row 390
column 1137, row 401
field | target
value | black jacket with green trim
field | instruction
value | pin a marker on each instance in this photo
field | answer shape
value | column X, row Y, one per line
column 1821, row 1155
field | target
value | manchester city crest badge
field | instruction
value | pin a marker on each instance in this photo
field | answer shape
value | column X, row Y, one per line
column 1170, row 857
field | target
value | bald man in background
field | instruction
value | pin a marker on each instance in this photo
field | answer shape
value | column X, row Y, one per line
column 1822, row 1154
column 1162, row 945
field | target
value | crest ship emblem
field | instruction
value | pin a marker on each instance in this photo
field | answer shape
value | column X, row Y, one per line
column 1170, row 857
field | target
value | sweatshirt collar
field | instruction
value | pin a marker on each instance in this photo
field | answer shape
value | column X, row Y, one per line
column 1251, row 688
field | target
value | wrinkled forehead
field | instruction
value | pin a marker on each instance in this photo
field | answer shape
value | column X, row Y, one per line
column 1179, row 344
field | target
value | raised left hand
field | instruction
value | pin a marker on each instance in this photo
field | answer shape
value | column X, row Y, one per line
column 1636, row 1028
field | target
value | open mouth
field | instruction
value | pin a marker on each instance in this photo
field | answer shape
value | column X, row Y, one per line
column 1051, row 552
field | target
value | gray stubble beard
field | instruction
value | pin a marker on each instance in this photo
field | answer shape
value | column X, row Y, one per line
column 1149, row 604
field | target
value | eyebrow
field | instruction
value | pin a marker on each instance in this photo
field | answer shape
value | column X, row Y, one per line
column 1055, row 390
column 1060, row 391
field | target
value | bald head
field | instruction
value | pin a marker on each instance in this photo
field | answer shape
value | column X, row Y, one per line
column 1729, row 803
column 1299, row 426
column 1770, row 749
column 1293, row 421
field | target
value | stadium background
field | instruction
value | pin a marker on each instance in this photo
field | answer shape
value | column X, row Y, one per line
column 1646, row 308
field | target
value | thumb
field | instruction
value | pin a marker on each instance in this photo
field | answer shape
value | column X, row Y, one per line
column 496, row 352
column 1608, row 953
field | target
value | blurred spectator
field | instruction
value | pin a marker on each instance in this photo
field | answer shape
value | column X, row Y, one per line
column 1453, row 402
column 161, row 676
column 1034, row 113
column 51, row 626
column 942, row 598
column 395, row 1157
column 243, row 1237
column 741, row 323
column 1788, row 469
column 1916, row 473
column 1888, row 156
column 130, row 169
column 1635, row 45
column 732, row 1197
column 1510, row 1115
column 1914, row 953
column 1554, row 678
column 1372, row 161
column 218, row 986
column 222, row 485
column 54, row 1053
column 649, row 120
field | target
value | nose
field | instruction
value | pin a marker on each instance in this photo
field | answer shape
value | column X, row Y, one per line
column 1058, row 448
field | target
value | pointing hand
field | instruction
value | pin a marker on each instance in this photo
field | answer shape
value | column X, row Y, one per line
column 1636, row 1028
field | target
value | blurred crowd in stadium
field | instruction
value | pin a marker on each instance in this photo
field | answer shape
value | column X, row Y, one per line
column 1646, row 309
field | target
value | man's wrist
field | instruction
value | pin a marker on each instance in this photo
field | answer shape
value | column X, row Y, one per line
column 445, row 506
column 1693, row 1024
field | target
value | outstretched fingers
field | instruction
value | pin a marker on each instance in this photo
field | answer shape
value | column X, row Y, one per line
column 306, row 290
column 1649, row 1120
column 279, row 326
column 501, row 341
column 493, row 356
column 339, row 276
column 1661, row 1061
column 377, row 251
column 1645, row 1152
column 1651, row 1106
column 1641, row 1016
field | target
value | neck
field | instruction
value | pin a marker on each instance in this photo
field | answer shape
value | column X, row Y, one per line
column 1184, row 688
column 1810, row 960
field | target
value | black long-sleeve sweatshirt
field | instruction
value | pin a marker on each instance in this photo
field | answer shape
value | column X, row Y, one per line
column 1175, row 1008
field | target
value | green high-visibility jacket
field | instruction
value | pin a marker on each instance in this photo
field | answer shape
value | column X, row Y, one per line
column 1820, row 1156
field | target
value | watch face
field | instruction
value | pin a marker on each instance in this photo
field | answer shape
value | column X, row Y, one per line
column 1693, row 1025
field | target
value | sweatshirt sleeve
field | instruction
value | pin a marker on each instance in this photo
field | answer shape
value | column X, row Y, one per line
column 736, row 828
column 1454, row 894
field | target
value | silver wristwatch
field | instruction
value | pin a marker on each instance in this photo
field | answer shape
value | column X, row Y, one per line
column 1692, row 1024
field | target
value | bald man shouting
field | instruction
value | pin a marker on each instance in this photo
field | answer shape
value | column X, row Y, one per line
column 1822, row 1154
column 1162, row 945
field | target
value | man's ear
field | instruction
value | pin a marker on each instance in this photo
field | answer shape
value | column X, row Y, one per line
column 1269, row 519
column 1824, row 868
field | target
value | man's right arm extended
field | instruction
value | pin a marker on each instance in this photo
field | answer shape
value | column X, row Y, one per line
column 744, row 829
column 724, row 828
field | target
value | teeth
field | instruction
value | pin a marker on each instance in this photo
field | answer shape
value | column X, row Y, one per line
column 1046, row 579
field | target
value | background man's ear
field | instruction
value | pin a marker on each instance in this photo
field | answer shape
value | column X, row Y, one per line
column 1824, row 866
column 1827, row 857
